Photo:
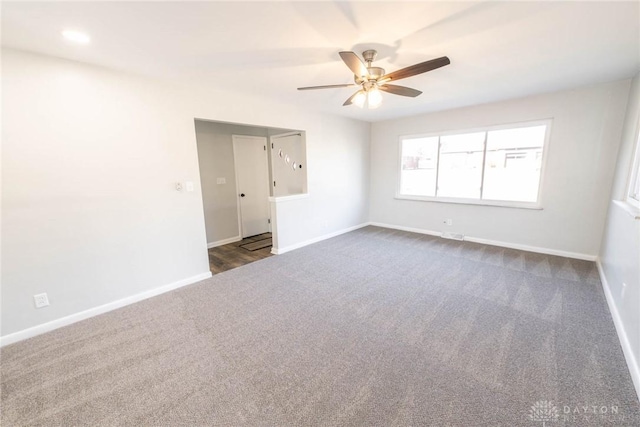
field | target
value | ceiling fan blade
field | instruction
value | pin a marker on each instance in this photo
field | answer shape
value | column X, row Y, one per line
column 400, row 90
column 413, row 70
column 327, row 86
column 354, row 63
column 349, row 101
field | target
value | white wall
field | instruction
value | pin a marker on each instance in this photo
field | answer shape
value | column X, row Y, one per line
column 582, row 151
column 620, row 253
column 335, row 179
column 90, row 158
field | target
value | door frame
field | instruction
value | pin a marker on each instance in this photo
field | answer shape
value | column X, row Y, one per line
column 235, row 172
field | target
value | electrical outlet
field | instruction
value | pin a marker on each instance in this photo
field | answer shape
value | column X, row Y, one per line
column 178, row 186
column 41, row 300
column 448, row 221
column 221, row 180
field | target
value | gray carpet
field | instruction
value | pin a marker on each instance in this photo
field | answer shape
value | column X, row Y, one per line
column 372, row 328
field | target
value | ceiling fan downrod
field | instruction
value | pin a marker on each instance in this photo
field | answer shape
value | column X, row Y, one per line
column 374, row 73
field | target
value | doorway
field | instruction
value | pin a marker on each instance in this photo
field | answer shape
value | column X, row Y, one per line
column 227, row 243
column 230, row 157
column 252, row 184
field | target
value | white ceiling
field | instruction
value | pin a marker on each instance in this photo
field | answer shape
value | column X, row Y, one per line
column 498, row 50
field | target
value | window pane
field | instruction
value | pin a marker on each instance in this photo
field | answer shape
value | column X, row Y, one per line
column 419, row 166
column 461, row 165
column 513, row 163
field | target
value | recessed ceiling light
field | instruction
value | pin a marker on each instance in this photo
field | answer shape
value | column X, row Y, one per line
column 76, row 36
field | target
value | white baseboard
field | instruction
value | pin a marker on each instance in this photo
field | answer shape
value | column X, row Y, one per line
column 280, row 251
column 527, row 248
column 76, row 317
column 632, row 362
column 546, row 251
column 403, row 228
column 224, row 242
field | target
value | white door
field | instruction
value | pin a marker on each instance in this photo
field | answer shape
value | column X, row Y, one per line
column 252, row 183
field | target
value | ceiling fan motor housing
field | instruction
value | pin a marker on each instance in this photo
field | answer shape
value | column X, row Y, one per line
column 374, row 74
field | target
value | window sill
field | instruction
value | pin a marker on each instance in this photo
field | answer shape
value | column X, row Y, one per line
column 516, row 205
column 628, row 208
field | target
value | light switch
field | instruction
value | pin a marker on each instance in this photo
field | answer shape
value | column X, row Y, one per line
column 189, row 185
column 221, row 181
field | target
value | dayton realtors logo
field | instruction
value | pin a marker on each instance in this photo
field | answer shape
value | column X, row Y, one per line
column 593, row 413
column 544, row 411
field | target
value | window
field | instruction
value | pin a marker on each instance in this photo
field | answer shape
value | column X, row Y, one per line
column 494, row 166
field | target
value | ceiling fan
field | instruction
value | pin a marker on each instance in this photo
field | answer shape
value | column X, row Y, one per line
column 372, row 80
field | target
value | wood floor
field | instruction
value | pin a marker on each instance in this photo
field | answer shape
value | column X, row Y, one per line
column 223, row 258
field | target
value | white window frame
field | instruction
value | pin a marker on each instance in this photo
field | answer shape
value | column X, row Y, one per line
column 483, row 202
column 634, row 170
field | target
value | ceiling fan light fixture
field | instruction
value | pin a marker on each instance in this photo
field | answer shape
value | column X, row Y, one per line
column 360, row 99
column 374, row 98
